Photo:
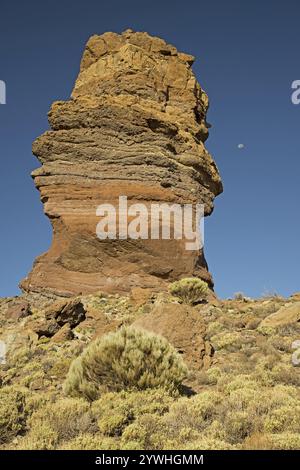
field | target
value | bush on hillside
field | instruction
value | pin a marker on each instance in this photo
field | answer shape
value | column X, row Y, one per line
column 12, row 413
column 190, row 290
column 127, row 359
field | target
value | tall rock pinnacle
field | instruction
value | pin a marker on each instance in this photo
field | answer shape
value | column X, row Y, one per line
column 135, row 126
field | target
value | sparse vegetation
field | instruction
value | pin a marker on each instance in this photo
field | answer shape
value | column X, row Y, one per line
column 247, row 399
column 190, row 290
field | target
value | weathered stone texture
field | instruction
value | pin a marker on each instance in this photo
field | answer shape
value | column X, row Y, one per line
column 135, row 126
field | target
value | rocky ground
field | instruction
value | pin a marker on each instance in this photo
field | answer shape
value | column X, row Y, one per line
column 242, row 390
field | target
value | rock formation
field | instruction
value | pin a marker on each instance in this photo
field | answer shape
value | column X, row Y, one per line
column 184, row 328
column 286, row 315
column 135, row 126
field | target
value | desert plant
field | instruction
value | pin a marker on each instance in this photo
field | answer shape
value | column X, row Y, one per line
column 127, row 359
column 190, row 290
column 146, row 432
column 115, row 410
column 12, row 413
column 238, row 425
column 285, row 441
column 207, row 443
column 195, row 413
column 66, row 418
column 286, row 418
column 90, row 442
column 239, row 296
column 230, row 341
column 42, row 437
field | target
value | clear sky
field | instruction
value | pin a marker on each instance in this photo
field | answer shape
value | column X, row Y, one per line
column 247, row 57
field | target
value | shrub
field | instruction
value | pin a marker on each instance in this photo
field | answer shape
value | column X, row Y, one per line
column 238, row 425
column 285, row 441
column 42, row 437
column 207, row 444
column 147, row 432
column 285, row 374
column 242, row 398
column 190, row 290
column 213, row 328
column 205, row 405
column 35, row 400
column 283, row 419
column 239, row 382
column 126, row 359
column 90, row 442
column 114, row 424
column 267, row 400
column 266, row 330
column 239, row 296
column 66, row 418
column 195, row 413
column 227, row 341
column 210, row 376
column 12, row 413
column 115, row 411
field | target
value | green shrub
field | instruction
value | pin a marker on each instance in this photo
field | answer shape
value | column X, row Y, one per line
column 126, row 359
column 190, row 290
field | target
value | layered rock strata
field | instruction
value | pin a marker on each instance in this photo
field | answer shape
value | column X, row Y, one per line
column 135, row 126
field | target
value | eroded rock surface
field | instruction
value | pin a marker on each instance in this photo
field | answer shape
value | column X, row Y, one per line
column 286, row 315
column 184, row 329
column 135, row 126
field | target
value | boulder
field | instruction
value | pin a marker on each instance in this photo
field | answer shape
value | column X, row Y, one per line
column 44, row 328
column 183, row 327
column 284, row 316
column 18, row 310
column 68, row 312
column 296, row 297
column 140, row 296
column 64, row 334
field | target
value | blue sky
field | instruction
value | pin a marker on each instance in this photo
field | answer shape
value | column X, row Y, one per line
column 247, row 58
